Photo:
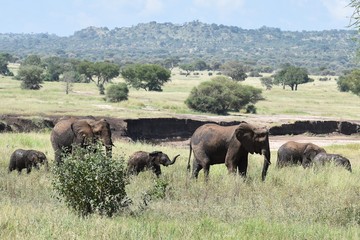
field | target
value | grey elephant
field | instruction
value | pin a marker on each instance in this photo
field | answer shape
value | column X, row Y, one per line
column 215, row 144
column 323, row 158
column 28, row 159
column 296, row 153
column 141, row 161
column 81, row 132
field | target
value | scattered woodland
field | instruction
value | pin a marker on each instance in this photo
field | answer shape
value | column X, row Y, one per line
column 327, row 52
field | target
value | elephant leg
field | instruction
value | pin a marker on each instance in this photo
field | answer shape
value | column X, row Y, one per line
column 196, row 169
column 242, row 165
column 206, row 171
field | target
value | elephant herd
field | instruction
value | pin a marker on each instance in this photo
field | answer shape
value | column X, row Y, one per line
column 210, row 144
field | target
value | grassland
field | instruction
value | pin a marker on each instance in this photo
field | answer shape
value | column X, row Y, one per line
column 292, row 203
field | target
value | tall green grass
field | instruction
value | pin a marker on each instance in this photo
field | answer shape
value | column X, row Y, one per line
column 292, row 203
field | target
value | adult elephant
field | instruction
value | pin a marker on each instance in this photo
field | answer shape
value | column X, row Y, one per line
column 296, row 153
column 81, row 132
column 215, row 144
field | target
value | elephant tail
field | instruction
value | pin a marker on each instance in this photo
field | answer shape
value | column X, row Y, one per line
column 188, row 166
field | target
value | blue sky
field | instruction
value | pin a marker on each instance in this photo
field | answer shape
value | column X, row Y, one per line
column 64, row 17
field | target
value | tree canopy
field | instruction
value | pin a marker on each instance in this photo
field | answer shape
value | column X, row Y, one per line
column 4, row 60
column 150, row 77
column 220, row 95
column 31, row 76
column 350, row 82
column 291, row 76
column 235, row 70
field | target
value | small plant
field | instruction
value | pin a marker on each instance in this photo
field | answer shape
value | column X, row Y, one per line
column 117, row 92
column 89, row 182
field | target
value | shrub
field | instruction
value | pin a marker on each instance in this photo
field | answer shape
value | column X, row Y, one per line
column 117, row 92
column 89, row 182
column 221, row 95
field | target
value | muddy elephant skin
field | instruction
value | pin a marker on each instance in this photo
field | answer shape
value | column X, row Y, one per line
column 325, row 158
column 295, row 153
column 28, row 159
column 215, row 144
column 141, row 161
column 80, row 132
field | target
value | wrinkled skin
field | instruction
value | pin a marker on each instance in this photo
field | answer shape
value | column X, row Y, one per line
column 215, row 144
column 80, row 132
column 28, row 159
column 325, row 158
column 141, row 161
column 295, row 153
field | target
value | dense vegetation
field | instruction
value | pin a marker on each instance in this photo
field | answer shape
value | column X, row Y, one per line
column 321, row 52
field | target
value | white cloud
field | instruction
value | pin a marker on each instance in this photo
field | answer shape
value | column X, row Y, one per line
column 151, row 7
column 338, row 8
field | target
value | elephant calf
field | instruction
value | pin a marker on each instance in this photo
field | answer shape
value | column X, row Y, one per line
column 322, row 158
column 21, row 158
column 296, row 153
column 141, row 161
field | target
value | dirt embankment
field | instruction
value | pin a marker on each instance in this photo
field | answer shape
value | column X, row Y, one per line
column 178, row 130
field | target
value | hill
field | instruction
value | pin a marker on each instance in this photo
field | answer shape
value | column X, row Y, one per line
column 321, row 52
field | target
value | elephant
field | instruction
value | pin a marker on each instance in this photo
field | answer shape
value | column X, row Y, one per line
column 81, row 132
column 21, row 159
column 215, row 144
column 141, row 161
column 295, row 153
column 322, row 158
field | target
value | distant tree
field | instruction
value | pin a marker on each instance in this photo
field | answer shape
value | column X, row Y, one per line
column 267, row 82
column 171, row 62
column 105, row 71
column 33, row 59
column 31, row 77
column 350, row 82
column 102, row 71
column 69, row 77
column 188, row 67
column 150, row 77
column 200, row 65
column 4, row 61
column 292, row 76
column 117, row 92
column 54, row 67
column 220, row 95
column 235, row 70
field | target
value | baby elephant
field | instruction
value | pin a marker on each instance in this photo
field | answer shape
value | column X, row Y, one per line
column 141, row 161
column 338, row 160
column 21, row 158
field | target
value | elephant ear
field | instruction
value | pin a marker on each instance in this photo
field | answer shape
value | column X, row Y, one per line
column 82, row 131
column 245, row 134
column 154, row 156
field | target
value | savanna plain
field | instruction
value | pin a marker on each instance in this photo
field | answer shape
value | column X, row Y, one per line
column 292, row 203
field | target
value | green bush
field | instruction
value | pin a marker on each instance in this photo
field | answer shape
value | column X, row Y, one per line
column 89, row 182
column 221, row 95
column 117, row 92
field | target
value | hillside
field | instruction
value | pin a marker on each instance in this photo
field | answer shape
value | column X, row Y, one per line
column 322, row 52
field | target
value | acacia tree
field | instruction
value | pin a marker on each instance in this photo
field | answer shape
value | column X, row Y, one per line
column 350, row 82
column 31, row 77
column 235, row 70
column 4, row 60
column 220, row 95
column 292, row 76
column 102, row 71
column 150, row 77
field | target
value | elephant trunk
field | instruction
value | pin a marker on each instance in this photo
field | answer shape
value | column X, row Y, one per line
column 108, row 151
column 174, row 159
column 266, row 153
